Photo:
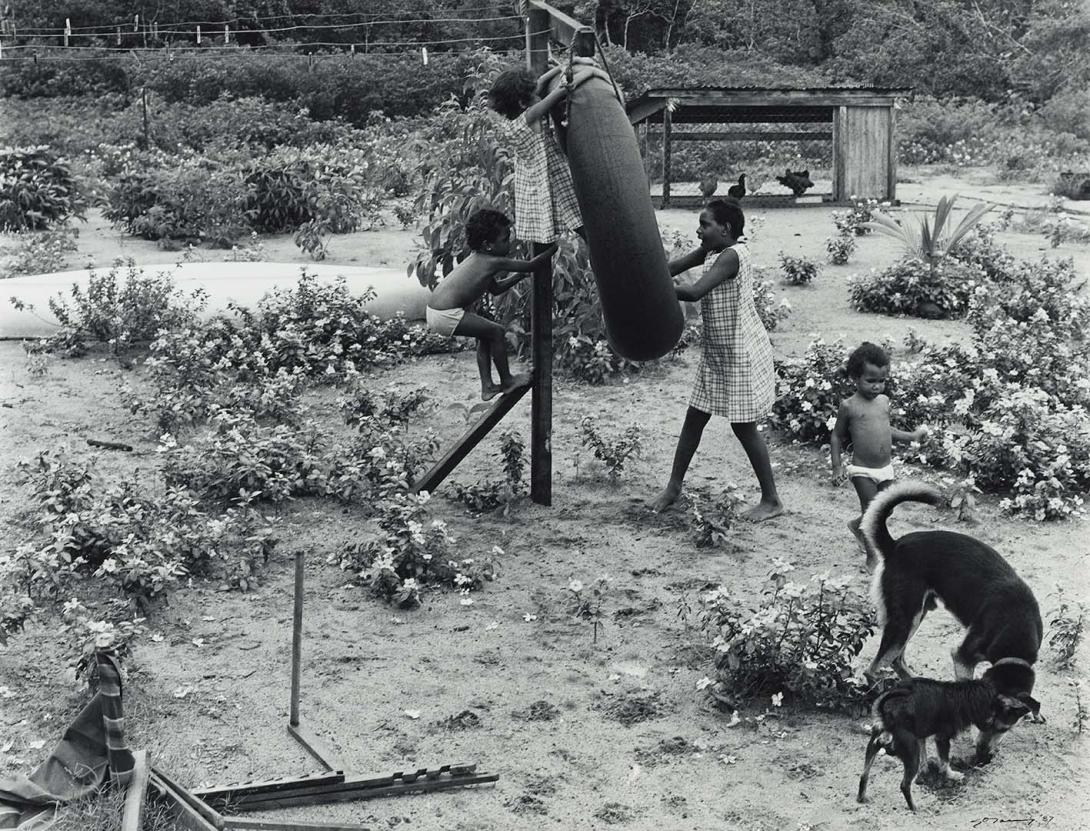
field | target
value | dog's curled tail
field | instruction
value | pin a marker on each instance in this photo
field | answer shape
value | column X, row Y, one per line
column 873, row 524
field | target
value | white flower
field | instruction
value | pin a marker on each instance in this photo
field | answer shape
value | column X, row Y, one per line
column 777, row 699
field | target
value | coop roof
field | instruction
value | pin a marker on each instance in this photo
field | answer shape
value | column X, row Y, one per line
column 782, row 104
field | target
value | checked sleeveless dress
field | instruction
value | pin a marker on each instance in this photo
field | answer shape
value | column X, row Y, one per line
column 545, row 202
column 736, row 377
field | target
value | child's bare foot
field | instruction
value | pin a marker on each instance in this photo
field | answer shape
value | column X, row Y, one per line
column 764, row 510
column 516, row 381
column 666, row 498
column 490, row 391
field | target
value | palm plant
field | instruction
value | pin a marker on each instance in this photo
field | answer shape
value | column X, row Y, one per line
column 925, row 242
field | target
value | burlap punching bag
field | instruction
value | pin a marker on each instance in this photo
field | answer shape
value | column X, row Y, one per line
column 642, row 315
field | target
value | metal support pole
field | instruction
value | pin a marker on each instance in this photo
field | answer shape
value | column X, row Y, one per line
column 296, row 641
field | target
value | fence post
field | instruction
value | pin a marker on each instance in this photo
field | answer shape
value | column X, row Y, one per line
column 541, row 313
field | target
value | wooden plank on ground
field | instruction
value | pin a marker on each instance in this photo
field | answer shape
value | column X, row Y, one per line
column 132, row 817
column 224, row 795
column 247, row 824
column 470, row 439
column 186, row 813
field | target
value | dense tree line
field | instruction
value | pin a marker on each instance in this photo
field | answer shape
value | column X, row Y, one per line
column 998, row 50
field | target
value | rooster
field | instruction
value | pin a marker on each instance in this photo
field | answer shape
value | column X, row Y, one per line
column 708, row 185
column 739, row 190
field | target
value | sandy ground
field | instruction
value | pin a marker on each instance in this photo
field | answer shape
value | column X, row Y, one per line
column 390, row 690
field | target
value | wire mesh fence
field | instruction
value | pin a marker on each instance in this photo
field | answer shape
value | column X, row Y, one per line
column 786, row 154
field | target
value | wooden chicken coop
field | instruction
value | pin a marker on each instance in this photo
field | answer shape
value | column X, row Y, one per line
column 693, row 137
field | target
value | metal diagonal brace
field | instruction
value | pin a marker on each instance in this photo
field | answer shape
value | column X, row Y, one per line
column 308, row 791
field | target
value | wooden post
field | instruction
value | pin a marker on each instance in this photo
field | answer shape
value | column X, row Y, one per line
column 296, row 641
column 147, row 132
column 666, row 142
column 541, row 313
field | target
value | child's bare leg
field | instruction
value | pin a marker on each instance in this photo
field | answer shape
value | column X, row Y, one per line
column 484, row 368
column 757, row 451
column 688, row 441
column 866, row 489
column 488, row 334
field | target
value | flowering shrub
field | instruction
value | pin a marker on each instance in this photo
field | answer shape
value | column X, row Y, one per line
column 809, row 391
column 911, row 287
column 979, row 248
column 852, row 223
column 242, row 457
column 121, row 538
column 39, row 252
column 769, row 310
column 412, row 553
column 801, row 639
column 119, row 309
column 394, row 408
column 840, row 248
column 799, row 271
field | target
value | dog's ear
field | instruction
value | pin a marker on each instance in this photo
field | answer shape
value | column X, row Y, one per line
column 1031, row 702
column 1013, row 709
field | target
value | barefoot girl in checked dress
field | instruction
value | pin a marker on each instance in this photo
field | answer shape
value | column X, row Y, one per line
column 736, row 377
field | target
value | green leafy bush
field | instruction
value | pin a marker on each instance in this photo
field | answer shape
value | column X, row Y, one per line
column 412, row 553
column 713, row 520
column 490, row 494
column 801, row 640
column 37, row 190
column 809, row 391
column 243, row 459
column 121, row 537
column 840, row 248
column 853, row 222
column 980, row 249
column 191, row 197
column 119, row 308
column 39, row 252
column 770, row 309
column 798, row 271
column 1072, row 185
column 290, row 187
column 911, row 287
column 614, row 450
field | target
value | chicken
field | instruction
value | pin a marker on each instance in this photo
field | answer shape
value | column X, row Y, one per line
column 739, row 190
column 708, row 185
column 797, row 180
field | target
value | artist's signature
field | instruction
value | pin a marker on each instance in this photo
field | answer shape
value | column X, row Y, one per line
column 1044, row 819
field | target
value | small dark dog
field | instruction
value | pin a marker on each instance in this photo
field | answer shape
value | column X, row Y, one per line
column 798, row 181
column 916, row 709
column 974, row 583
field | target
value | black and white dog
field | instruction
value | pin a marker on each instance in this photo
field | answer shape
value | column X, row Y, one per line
column 974, row 583
column 915, row 709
